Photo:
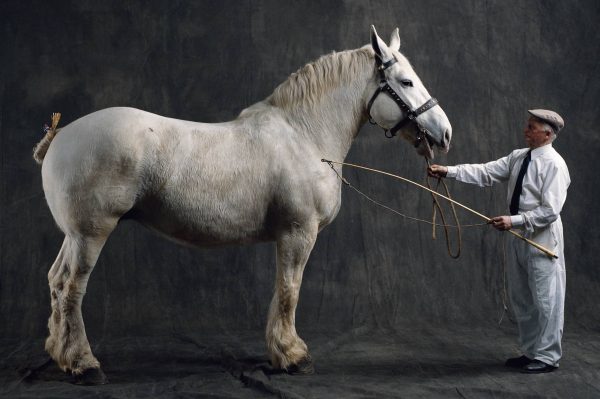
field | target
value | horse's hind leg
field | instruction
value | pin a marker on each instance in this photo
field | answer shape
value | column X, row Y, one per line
column 286, row 349
column 67, row 343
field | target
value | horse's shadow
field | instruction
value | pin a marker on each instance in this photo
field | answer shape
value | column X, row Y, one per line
column 155, row 367
column 135, row 361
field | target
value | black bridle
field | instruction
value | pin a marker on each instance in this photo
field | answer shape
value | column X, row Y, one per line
column 410, row 115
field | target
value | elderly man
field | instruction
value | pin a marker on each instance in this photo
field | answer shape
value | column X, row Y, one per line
column 538, row 179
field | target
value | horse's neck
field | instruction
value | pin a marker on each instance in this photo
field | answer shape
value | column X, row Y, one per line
column 332, row 123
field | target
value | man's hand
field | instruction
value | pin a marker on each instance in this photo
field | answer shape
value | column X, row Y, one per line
column 501, row 222
column 437, row 171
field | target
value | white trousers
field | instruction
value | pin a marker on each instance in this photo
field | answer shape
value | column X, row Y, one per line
column 536, row 286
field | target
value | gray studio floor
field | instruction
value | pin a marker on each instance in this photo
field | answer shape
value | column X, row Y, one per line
column 412, row 362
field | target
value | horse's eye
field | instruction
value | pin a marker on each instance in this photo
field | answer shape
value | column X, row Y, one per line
column 406, row 83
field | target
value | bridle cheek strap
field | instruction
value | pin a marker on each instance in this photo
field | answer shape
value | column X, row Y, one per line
column 410, row 115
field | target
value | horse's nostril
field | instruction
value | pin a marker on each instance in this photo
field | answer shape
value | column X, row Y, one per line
column 446, row 139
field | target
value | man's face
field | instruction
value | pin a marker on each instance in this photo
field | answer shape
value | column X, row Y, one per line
column 535, row 136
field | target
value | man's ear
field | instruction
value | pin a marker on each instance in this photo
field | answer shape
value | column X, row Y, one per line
column 379, row 46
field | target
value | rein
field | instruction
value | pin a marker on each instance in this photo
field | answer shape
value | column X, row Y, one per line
column 435, row 193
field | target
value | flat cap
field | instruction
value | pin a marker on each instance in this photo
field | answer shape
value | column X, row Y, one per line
column 550, row 117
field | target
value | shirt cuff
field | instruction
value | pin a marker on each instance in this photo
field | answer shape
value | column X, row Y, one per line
column 517, row 220
column 452, row 170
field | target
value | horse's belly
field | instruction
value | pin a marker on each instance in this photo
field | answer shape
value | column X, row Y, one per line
column 204, row 223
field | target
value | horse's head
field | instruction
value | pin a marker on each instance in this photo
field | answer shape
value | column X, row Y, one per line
column 397, row 100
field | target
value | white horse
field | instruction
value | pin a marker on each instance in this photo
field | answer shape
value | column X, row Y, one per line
column 256, row 178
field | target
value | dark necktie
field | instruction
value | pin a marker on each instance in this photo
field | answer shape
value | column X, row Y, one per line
column 514, row 201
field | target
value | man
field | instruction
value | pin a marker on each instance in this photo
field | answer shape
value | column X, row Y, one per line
column 538, row 179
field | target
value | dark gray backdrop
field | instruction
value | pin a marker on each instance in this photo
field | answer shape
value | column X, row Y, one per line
column 486, row 61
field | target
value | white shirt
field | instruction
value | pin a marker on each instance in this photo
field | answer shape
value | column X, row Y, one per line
column 545, row 183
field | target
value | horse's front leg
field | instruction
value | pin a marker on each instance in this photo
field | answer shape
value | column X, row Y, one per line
column 286, row 349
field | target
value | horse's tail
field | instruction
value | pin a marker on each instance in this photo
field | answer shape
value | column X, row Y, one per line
column 39, row 151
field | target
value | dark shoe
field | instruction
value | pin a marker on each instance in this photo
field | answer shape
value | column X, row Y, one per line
column 537, row 367
column 518, row 362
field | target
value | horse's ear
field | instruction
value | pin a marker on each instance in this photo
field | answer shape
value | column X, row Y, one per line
column 379, row 46
column 395, row 40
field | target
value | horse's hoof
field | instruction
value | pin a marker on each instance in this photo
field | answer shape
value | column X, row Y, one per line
column 91, row 377
column 304, row 366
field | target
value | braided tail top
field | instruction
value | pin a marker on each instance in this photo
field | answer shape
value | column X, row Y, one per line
column 39, row 151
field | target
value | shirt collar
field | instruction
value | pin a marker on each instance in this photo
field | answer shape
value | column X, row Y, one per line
column 536, row 152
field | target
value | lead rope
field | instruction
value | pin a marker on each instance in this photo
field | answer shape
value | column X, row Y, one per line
column 436, row 206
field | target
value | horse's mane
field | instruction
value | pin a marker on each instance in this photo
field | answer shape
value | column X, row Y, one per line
column 307, row 85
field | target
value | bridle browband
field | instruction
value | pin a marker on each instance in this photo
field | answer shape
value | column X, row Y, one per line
column 410, row 115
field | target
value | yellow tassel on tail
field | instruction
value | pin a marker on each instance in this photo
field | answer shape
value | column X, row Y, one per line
column 39, row 151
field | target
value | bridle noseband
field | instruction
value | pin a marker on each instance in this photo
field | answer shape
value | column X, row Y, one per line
column 410, row 115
